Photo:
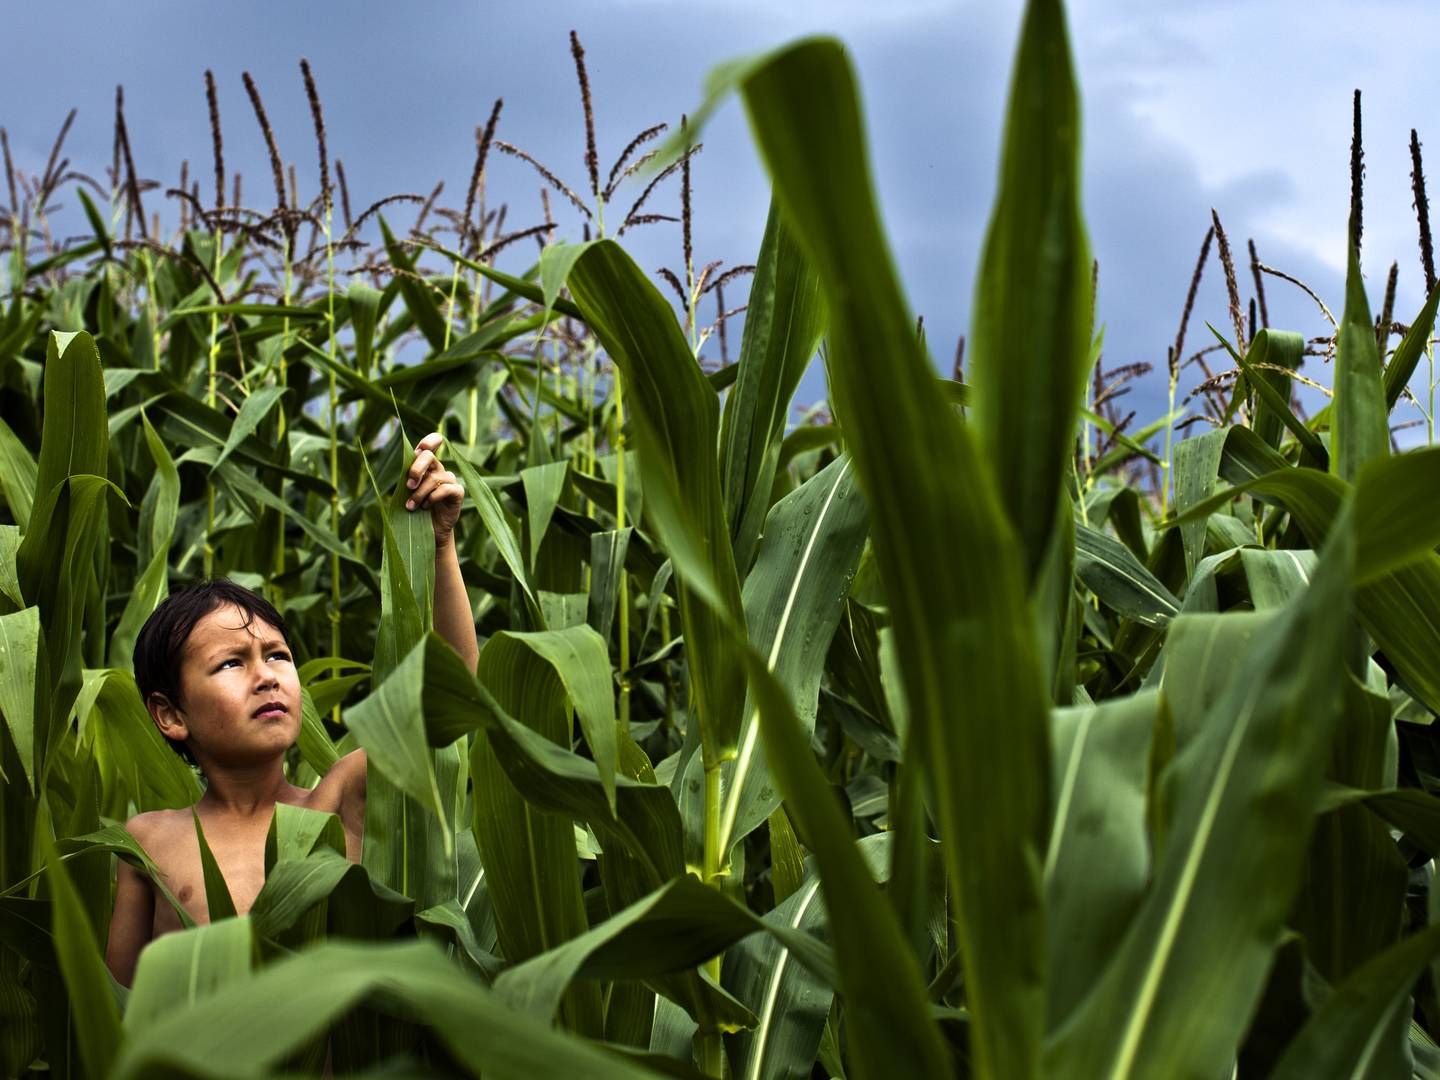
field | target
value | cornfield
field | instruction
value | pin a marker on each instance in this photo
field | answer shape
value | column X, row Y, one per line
column 966, row 731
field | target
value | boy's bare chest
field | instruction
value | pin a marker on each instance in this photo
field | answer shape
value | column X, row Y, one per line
column 238, row 846
column 239, row 850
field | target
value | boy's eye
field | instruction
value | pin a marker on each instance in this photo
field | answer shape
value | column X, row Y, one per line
column 281, row 654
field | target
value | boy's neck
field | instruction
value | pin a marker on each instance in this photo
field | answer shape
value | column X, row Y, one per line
column 244, row 790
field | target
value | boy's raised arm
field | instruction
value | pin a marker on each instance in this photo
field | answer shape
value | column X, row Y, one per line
column 435, row 488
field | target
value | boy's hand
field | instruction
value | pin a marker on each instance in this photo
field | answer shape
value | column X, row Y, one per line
column 433, row 487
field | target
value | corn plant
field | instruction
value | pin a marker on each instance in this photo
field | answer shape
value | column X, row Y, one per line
column 928, row 740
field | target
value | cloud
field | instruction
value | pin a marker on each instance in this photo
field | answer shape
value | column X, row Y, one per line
column 1238, row 106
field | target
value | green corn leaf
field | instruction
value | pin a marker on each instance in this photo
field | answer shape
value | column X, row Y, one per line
column 1348, row 917
column 113, row 839
column 1197, row 467
column 18, row 475
column 676, row 418
column 74, row 530
column 407, row 580
column 21, row 1034
column 1241, row 792
column 545, row 777
column 1273, row 348
column 527, row 290
column 1412, row 346
column 580, row 658
column 793, row 599
column 1343, row 1036
column 74, row 439
column 272, row 311
column 393, row 736
column 522, row 845
column 136, row 765
column 962, row 632
column 68, row 519
column 544, row 484
column 161, row 505
column 315, row 745
column 253, row 411
column 413, row 796
column 607, row 570
column 9, row 579
column 241, row 486
column 1414, row 812
column 675, row 928
column 790, row 1000
column 1097, row 863
column 562, row 611
column 1034, row 280
column 877, row 959
column 1119, row 579
column 297, row 831
column 787, row 861
column 1275, row 577
column 97, row 223
column 217, row 893
column 420, row 298
column 493, row 518
column 1282, row 349
column 1360, row 416
column 179, row 969
column 556, row 262
column 529, row 751
column 548, row 776
column 1396, row 607
column 891, row 1033
column 450, row 922
column 1397, row 511
column 790, row 1004
column 253, row 1024
column 357, row 386
column 94, row 1016
column 19, row 683
column 158, row 513
column 784, row 319
column 364, row 301
column 360, row 907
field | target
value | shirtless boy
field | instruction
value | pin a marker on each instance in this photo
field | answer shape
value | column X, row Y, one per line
column 215, row 668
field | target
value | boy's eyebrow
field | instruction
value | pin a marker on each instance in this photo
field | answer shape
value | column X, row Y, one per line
column 266, row 643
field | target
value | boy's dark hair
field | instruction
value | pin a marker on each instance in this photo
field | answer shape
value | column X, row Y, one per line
column 161, row 641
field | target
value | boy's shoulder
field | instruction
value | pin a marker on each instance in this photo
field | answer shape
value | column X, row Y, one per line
column 164, row 834
column 157, row 831
column 158, row 823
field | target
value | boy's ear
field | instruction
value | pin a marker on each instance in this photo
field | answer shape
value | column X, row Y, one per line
column 168, row 718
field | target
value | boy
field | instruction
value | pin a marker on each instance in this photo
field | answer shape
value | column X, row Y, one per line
column 214, row 666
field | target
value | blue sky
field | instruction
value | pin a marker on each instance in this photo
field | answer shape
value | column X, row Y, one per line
column 1242, row 107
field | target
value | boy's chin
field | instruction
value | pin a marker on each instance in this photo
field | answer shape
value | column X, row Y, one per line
column 264, row 744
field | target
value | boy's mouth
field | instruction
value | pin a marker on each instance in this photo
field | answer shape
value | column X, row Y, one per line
column 270, row 710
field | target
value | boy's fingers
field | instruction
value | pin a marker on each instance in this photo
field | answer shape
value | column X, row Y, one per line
column 430, row 442
column 448, row 492
column 425, row 494
column 424, row 461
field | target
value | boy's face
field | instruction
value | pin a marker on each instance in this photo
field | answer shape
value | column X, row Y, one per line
column 240, row 691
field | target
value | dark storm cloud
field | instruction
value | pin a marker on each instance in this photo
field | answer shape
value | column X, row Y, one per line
column 405, row 85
